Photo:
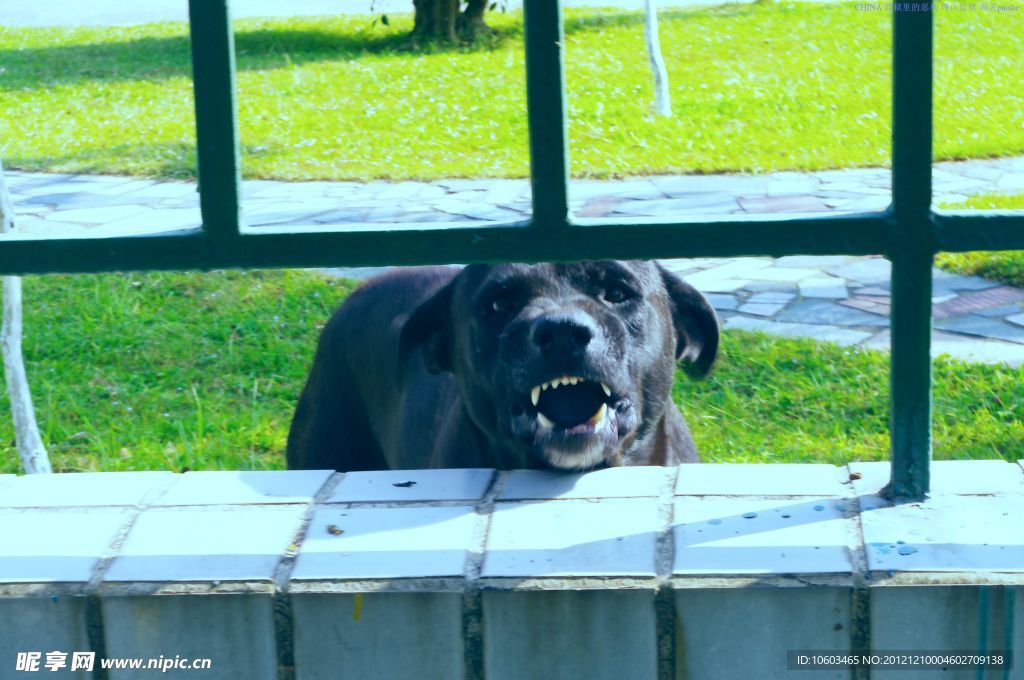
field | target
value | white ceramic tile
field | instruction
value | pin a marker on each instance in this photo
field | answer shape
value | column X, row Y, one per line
column 573, row 538
column 760, row 479
column 617, row 482
column 965, row 477
column 412, row 485
column 358, row 543
column 42, row 546
column 206, row 544
column 945, row 533
column 715, row 535
column 82, row 489
column 242, row 488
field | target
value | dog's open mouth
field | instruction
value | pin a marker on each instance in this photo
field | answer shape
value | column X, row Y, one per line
column 570, row 404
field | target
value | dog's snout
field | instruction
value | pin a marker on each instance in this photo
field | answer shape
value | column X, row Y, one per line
column 562, row 334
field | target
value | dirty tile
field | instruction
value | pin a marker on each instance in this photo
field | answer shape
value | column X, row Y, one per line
column 958, row 477
column 715, row 535
column 378, row 636
column 760, row 479
column 369, row 543
column 412, row 485
column 243, row 488
column 83, row 488
column 616, row 482
column 945, row 533
column 206, row 544
column 573, row 538
column 569, row 634
column 46, row 546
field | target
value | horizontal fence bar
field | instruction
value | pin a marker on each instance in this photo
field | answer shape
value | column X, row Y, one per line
column 546, row 109
column 213, row 69
column 414, row 245
column 962, row 231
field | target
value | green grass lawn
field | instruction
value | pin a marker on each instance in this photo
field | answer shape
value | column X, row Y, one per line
column 168, row 371
column 1006, row 266
column 757, row 87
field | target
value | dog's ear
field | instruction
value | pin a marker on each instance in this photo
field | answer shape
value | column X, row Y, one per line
column 696, row 325
column 429, row 327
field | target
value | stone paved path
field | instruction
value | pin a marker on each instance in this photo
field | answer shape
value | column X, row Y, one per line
column 837, row 298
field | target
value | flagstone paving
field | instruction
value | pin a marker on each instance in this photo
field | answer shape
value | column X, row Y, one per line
column 830, row 298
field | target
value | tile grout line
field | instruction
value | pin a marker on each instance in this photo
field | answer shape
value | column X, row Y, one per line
column 95, row 632
column 284, row 632
column 664, row 597
column 860, row 605
column 472, row 599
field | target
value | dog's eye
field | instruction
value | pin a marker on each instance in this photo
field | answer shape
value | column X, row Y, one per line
column 616, row 293
column 501, row 305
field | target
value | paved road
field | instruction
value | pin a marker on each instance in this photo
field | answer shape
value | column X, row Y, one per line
column 838, row 299
column 119, row 12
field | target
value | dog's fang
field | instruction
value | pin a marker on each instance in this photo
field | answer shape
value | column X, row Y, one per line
column 535, row 395
column 607, row 390
column 599, row 416
column 544, row 421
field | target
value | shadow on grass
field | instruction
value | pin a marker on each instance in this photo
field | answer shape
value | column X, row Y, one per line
column 152, row 59
column 169, row 160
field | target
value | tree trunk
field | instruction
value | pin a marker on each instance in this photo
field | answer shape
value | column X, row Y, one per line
column 662, row 98
column 26, row 432
column 444, row 21
column 472, row 20
column 435, row 20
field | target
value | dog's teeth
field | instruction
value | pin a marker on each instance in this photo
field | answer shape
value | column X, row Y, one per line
column 555, row 384
column 599, row 416
column 544, row 421
column 573, row 381
column 535, row 395
column 607, row 390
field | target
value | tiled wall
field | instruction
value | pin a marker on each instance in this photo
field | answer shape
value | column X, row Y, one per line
column 703, row 571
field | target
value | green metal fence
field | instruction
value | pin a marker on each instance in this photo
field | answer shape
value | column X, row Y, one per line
column 909, row 232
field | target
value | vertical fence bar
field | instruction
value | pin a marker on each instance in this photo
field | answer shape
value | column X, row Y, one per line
column 546, row 109
column 213, row 74
column 912, row 253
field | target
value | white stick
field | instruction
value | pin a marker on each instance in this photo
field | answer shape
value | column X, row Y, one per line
column 662, row 98
column 26, row 432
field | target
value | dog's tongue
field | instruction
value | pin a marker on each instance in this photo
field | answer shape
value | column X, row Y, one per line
column 571, row 405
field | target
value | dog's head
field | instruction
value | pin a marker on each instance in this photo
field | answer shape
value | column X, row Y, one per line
column 570, row 364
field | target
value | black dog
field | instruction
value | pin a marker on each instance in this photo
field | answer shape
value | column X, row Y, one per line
column 566, row 366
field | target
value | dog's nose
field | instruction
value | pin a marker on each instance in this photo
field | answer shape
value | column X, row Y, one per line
column 562, row 334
